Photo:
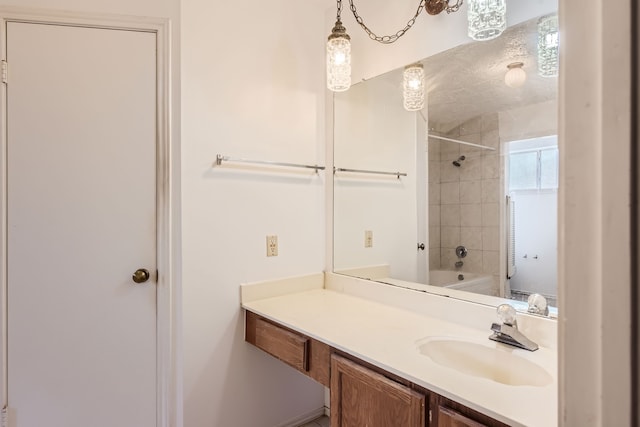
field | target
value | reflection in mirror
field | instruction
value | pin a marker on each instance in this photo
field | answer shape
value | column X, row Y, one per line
column 476, row 211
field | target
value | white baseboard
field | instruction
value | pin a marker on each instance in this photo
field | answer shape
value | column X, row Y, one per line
column 305, row 418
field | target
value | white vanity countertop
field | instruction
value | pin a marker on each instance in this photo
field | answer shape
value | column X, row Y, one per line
column 389, row 337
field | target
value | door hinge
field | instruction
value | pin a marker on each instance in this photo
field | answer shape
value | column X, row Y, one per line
column 4, row 415
column 5, row 71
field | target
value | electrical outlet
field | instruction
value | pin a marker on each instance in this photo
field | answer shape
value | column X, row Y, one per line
column 272, row 245
column 368, row 239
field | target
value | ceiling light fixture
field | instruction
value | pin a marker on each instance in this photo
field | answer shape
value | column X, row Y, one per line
column 516, row 76
column 413, row 87
column 487, row 18
column 339, row 42
column 339, row 56
column 548, row 43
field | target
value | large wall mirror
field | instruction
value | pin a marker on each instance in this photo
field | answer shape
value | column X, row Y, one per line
column 459, row 198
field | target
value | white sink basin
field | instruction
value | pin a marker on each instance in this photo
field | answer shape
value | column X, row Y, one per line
column 494, row 363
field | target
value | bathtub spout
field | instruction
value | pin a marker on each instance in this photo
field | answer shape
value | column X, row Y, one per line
column 459, row 264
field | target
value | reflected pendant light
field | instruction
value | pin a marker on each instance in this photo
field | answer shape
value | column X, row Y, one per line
column 338, row 57
column 487, row 18
column 516, row 76
column 548, row 44
column 413, row 87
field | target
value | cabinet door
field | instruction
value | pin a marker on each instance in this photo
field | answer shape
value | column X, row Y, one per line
column 361, row 397
column 450, row 418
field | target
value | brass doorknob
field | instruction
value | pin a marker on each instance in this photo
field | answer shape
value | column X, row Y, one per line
column 141, row 275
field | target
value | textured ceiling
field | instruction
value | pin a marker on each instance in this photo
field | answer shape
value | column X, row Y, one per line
column 468, row 80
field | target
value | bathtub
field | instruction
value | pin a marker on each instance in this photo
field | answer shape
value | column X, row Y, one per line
column 472, row 282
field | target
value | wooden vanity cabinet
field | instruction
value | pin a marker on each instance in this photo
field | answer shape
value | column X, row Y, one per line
column 362, row 397
column 309, row 356
column 361, row 394
column 447, row 413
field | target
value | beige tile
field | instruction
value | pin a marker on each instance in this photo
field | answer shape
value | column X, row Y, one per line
column 471, row 237
column 434, row 215
column 491, row 139
column 450, row 215
column 491, row 166
column 434, row 237
column 434, row 149
column 434, row 194
column 490, row 190
column 491, row 238
column 448, row 259
column 473, row 261
column 450, row 237
column 449, row 172
column 449, row 150
column 434, row 171
column 470, row 192
column 490, row 262
column 490, row 214
column 450, row 193
column 471, row 215
column 434, row 259
column 471, row 169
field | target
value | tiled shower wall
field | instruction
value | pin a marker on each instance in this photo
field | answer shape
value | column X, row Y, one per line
column 464, row 202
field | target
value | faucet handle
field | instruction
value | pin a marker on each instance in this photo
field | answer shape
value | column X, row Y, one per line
column 507, row 314
column 537, row 305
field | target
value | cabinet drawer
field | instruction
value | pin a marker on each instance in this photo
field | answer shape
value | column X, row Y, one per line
column 309, row 356
column 287, row 346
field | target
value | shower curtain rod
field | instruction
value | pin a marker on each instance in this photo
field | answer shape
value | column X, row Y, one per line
column 460, row 142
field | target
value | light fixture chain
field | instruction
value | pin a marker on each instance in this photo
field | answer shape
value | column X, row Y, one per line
column 386, row 39
column 339, row 11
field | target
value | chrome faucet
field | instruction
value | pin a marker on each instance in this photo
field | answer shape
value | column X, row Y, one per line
column 537, row 305
column 507, row 332
column 461, row 252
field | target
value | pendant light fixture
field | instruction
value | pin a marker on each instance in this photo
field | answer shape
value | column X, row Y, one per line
column 338, row 56
column 548, row 44
column 413, row 87
column 487, row 18
column 516, row 76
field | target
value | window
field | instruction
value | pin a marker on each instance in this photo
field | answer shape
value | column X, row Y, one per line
column 535, row 169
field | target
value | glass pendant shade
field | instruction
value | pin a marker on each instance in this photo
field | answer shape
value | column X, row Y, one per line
column 487, row 18
column 413, row 87
column 516, row 76
column 548, row 44
column 338, row 59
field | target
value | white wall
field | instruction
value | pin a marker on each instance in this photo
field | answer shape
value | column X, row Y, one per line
column 536, row 220
column 253, row 87
column 375, row 132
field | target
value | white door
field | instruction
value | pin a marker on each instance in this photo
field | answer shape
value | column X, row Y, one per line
column 81, row 207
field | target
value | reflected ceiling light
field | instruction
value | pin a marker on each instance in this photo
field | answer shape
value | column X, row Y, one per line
column 338, row 56
column 413, row 87
column 487, row 18
column 516, row 76
column 339, row 42
column 548, row 44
